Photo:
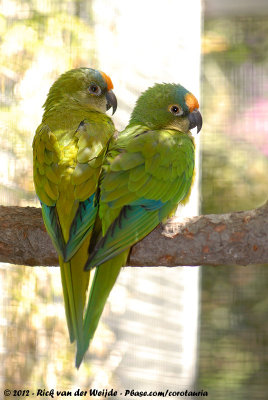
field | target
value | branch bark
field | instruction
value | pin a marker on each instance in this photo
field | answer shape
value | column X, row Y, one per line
column 239, row 238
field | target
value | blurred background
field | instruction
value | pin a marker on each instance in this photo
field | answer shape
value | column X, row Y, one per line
column 162, row 329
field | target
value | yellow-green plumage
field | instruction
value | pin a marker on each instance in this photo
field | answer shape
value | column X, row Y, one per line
column 68, row 151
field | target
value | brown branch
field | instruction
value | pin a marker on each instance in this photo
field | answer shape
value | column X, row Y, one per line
column 239, row 238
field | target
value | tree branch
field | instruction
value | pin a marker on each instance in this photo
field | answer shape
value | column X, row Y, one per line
column 239, row 238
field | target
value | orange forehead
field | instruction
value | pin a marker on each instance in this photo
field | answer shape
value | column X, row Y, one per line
column 107, row 80
column 191, row 102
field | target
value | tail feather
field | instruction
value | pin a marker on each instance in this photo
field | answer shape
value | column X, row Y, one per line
column 75, row 282
column 73, row 305
column 104, row 279
column 67, row 304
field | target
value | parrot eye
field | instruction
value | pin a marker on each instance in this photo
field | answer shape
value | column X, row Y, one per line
column 175, row 109
column 94, row 89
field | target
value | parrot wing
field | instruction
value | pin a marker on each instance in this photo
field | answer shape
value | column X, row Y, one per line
column 47, row 156
column 141, row 187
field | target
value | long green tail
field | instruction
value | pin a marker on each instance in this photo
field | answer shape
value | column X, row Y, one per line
column 103, row 282
column 74, row 283
column 67, row 306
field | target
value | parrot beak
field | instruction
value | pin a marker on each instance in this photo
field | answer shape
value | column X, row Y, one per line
column 111, row 101
column 195, row 119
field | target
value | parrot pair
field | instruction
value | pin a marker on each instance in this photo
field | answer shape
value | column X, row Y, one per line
column 99, row 193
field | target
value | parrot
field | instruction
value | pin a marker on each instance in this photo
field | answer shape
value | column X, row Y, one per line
column 147, row 171
column 69, row 147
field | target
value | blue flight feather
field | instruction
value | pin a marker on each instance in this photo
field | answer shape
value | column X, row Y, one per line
column 82, row 224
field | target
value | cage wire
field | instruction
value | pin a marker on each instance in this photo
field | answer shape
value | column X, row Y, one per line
column 233, row 358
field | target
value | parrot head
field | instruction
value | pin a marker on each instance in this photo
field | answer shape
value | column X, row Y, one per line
column 82, row 87
column 167, row 106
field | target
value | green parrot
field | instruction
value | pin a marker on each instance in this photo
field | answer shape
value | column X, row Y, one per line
column 146, row 173
column 68, row 151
